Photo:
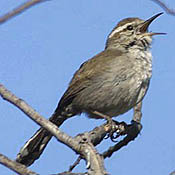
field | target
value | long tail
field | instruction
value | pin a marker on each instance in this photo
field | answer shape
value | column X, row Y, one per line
column 34, row 147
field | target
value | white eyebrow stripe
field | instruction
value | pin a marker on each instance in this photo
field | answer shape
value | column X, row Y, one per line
column 118, row 29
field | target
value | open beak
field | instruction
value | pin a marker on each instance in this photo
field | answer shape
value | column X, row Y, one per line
column 145, row 25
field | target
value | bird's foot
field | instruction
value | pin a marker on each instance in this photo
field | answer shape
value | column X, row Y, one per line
column 116, row 129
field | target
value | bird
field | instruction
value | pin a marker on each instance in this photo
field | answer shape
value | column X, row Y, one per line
column 111, row 83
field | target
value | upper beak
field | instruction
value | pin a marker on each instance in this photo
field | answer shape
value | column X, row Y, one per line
column 146, row 24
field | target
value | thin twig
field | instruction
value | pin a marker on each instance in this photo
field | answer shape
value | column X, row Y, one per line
column 75, row 164
column 165, row 7
column 16, row 167
column 18, row 10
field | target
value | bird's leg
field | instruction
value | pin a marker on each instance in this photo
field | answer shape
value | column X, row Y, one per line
column 113, row 126
column 106, row 117
column 137, row 113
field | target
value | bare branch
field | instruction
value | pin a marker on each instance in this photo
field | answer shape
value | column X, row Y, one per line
column 81, row 144
column 18, row 10
column 14, row 166
column 165, row 7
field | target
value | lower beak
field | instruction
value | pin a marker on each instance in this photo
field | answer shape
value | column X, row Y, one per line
column 145, row 25
column 151, row 34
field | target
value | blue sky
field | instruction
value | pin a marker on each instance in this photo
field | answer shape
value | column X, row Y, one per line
column 42, row 48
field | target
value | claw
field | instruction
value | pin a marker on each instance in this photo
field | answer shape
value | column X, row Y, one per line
column 118, row 129
column 114, row 137
column 106, row 137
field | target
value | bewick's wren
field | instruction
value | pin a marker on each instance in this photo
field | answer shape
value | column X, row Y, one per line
column 112, row 82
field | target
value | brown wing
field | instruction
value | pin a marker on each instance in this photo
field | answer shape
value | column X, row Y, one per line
column 83, row 76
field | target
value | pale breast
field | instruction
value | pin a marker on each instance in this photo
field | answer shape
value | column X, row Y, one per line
column 143, row 63
column 143, row 68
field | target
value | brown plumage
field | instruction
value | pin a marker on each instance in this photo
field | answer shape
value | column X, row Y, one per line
column 112, row 82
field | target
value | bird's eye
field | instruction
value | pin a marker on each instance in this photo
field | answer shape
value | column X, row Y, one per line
column 130, row 27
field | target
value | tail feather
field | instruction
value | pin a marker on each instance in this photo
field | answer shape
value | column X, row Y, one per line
column 34, row 147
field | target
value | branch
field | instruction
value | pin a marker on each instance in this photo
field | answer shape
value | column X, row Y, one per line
column 81, row 144
column 165, row 7
column 16, row 167
column 18, row 10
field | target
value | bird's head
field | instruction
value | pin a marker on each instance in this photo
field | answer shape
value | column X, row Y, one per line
column 131, row 33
